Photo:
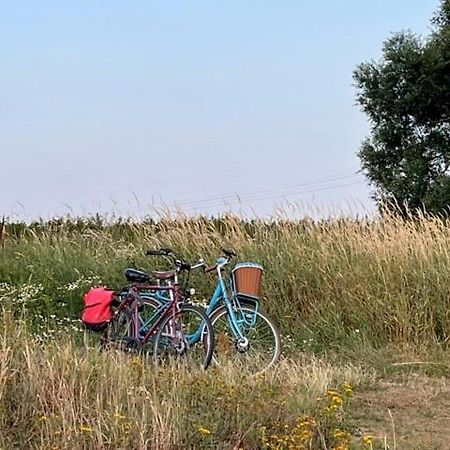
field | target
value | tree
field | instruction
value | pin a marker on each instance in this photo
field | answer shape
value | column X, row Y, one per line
column 406, row 96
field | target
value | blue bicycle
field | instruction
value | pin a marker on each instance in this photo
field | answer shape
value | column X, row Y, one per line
column 244, row 335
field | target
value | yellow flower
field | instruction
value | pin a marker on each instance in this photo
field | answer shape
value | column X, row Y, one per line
column 203, row 430
column 304, row 423
column 342, row 437
column 333, row 393
column 312, row 421
column 331, row 408
column 136, row 361
column 85, row 428
column 368, row 439
column 306, row 435
column 337, row 400
column 347, row 388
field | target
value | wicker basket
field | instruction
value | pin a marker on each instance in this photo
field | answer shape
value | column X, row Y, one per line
column 247, row 279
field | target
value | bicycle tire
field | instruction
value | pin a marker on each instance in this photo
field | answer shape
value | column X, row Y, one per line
column 121, row 325
column 254, row 358
column 168, row 344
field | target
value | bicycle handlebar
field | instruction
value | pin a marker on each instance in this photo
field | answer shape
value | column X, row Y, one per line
column 179, row 263
column 230, row 253
column 210, row 268
column 160, row 252
column 198, row 264
column 222, row 262
column 183, row 265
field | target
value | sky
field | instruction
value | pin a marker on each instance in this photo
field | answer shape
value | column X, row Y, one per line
column 203, row 106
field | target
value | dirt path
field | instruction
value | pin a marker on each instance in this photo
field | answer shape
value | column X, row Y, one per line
column 412, row 414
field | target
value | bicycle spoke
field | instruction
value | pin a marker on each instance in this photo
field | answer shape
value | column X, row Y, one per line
column 176, row 339
column 257, row 353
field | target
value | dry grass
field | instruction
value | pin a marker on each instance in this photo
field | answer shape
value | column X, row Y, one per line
column 56, row 395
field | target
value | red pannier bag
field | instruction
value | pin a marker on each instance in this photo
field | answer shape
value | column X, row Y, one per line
column 97, row 311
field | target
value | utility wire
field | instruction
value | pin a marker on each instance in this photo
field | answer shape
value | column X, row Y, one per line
column 271, row 190
column 257, row 195
column 266, row 193
column 206, row 201
column 238, row 200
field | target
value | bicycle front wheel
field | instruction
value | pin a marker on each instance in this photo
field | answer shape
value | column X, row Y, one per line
column 257, row 351
column 188, row 337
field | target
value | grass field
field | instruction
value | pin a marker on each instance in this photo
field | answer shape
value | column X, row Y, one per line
column 361, row 305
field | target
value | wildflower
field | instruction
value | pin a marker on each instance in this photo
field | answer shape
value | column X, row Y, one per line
column 136, row 361
column 85, row 428
column 339, row 434
column 332, row 392
column 203, row 430
column 368, row 440
column 306, row 435
column 312, row 421
column 347, row 388
column 304, row 423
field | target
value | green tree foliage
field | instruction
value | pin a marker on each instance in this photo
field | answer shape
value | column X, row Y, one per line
column 406, row 96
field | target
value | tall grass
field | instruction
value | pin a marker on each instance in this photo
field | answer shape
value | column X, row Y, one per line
column 331, row 282
column 58, row 395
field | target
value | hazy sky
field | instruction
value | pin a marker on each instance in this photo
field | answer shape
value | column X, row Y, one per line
column 113, row 105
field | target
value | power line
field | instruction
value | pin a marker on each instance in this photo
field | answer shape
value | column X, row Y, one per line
column 252, row 192
column 256, row 195
column 206, row 201
column 268, row 193
column 283, row 195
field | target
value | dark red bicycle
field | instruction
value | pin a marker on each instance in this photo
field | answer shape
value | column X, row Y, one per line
column 157, row 320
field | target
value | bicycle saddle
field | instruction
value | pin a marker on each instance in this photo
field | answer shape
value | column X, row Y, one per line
column 165, row 275
column 136, row 276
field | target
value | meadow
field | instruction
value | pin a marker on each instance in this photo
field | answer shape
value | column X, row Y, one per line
column 362, row 306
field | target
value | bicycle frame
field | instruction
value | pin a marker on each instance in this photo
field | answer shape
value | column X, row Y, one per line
column 220, row 293
column 133, row 298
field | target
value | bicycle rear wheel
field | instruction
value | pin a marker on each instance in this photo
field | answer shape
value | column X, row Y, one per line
column 189, row 338
column 122, row 333
column 260, row 347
